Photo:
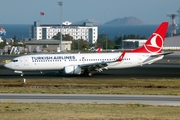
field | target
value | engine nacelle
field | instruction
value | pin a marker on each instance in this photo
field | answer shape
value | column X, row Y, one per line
column 72, row 70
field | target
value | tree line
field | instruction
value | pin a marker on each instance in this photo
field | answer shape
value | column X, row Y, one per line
column 103, row 41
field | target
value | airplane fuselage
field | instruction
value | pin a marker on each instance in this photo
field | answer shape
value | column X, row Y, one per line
column 59, row 61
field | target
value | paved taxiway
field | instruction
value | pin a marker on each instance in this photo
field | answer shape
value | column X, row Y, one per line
column 92, row 98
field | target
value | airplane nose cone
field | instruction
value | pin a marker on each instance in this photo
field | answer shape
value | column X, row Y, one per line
column 7, row 65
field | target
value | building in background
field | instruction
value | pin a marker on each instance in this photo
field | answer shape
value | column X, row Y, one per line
column 132, row 43
column 85, row 31
column 170, row 43
column 36, row 46
column 46, row 45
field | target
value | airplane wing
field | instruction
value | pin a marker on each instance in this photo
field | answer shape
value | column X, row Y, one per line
column 103, row 64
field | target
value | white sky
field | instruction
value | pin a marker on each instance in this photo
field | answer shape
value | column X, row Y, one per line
column 28, row 11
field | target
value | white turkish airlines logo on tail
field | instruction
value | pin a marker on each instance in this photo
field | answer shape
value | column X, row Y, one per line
column 155, row 44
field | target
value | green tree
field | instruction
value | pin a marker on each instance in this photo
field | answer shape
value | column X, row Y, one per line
column 101, row 39
column 105, row 42
column 2, row 44
column 80, row 45
column 15, row 39
column 118, row 42
column 65, row 37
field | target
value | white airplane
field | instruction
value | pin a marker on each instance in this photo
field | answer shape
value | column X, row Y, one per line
column 78, row 64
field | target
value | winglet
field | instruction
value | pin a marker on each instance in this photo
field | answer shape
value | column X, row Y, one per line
column 99, row 50
column 121, row 56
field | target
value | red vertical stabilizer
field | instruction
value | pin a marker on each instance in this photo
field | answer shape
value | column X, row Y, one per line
column 155, row 42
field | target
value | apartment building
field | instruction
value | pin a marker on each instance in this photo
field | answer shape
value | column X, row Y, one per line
column 86, row 31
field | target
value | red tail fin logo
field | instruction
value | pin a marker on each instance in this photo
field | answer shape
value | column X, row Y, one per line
column 155, row 42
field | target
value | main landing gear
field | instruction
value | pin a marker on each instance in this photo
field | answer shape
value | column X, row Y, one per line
column 87, row 73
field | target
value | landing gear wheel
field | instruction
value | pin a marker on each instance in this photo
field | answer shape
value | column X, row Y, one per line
column 89, row 74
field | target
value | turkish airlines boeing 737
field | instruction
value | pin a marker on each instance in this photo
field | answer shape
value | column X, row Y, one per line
column 78, row 64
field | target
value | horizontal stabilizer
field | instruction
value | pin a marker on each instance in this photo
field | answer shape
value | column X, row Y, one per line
column 162, row 54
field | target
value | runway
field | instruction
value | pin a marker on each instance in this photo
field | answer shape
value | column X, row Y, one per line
column 92, row 98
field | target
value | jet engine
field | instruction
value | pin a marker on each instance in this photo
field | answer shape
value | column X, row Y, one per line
column 72, row 70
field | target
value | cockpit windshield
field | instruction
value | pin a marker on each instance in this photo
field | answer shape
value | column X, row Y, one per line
column 14, row 60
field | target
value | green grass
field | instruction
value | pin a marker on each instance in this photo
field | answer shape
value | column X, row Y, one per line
column 55, row 111
column 93, row 86
column 10, row 110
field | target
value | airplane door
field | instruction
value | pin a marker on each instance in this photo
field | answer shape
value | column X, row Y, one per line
column 26, row 62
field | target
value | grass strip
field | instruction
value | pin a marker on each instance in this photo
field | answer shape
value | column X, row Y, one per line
column 93, row 86
column 55, row 111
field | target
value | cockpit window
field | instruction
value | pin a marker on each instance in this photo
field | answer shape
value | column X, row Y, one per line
column 14, row 60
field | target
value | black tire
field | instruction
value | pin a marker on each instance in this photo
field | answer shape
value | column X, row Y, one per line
column 89, row 74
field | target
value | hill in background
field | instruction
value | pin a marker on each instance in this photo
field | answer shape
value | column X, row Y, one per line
column 126, row 21
column 118, row 21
